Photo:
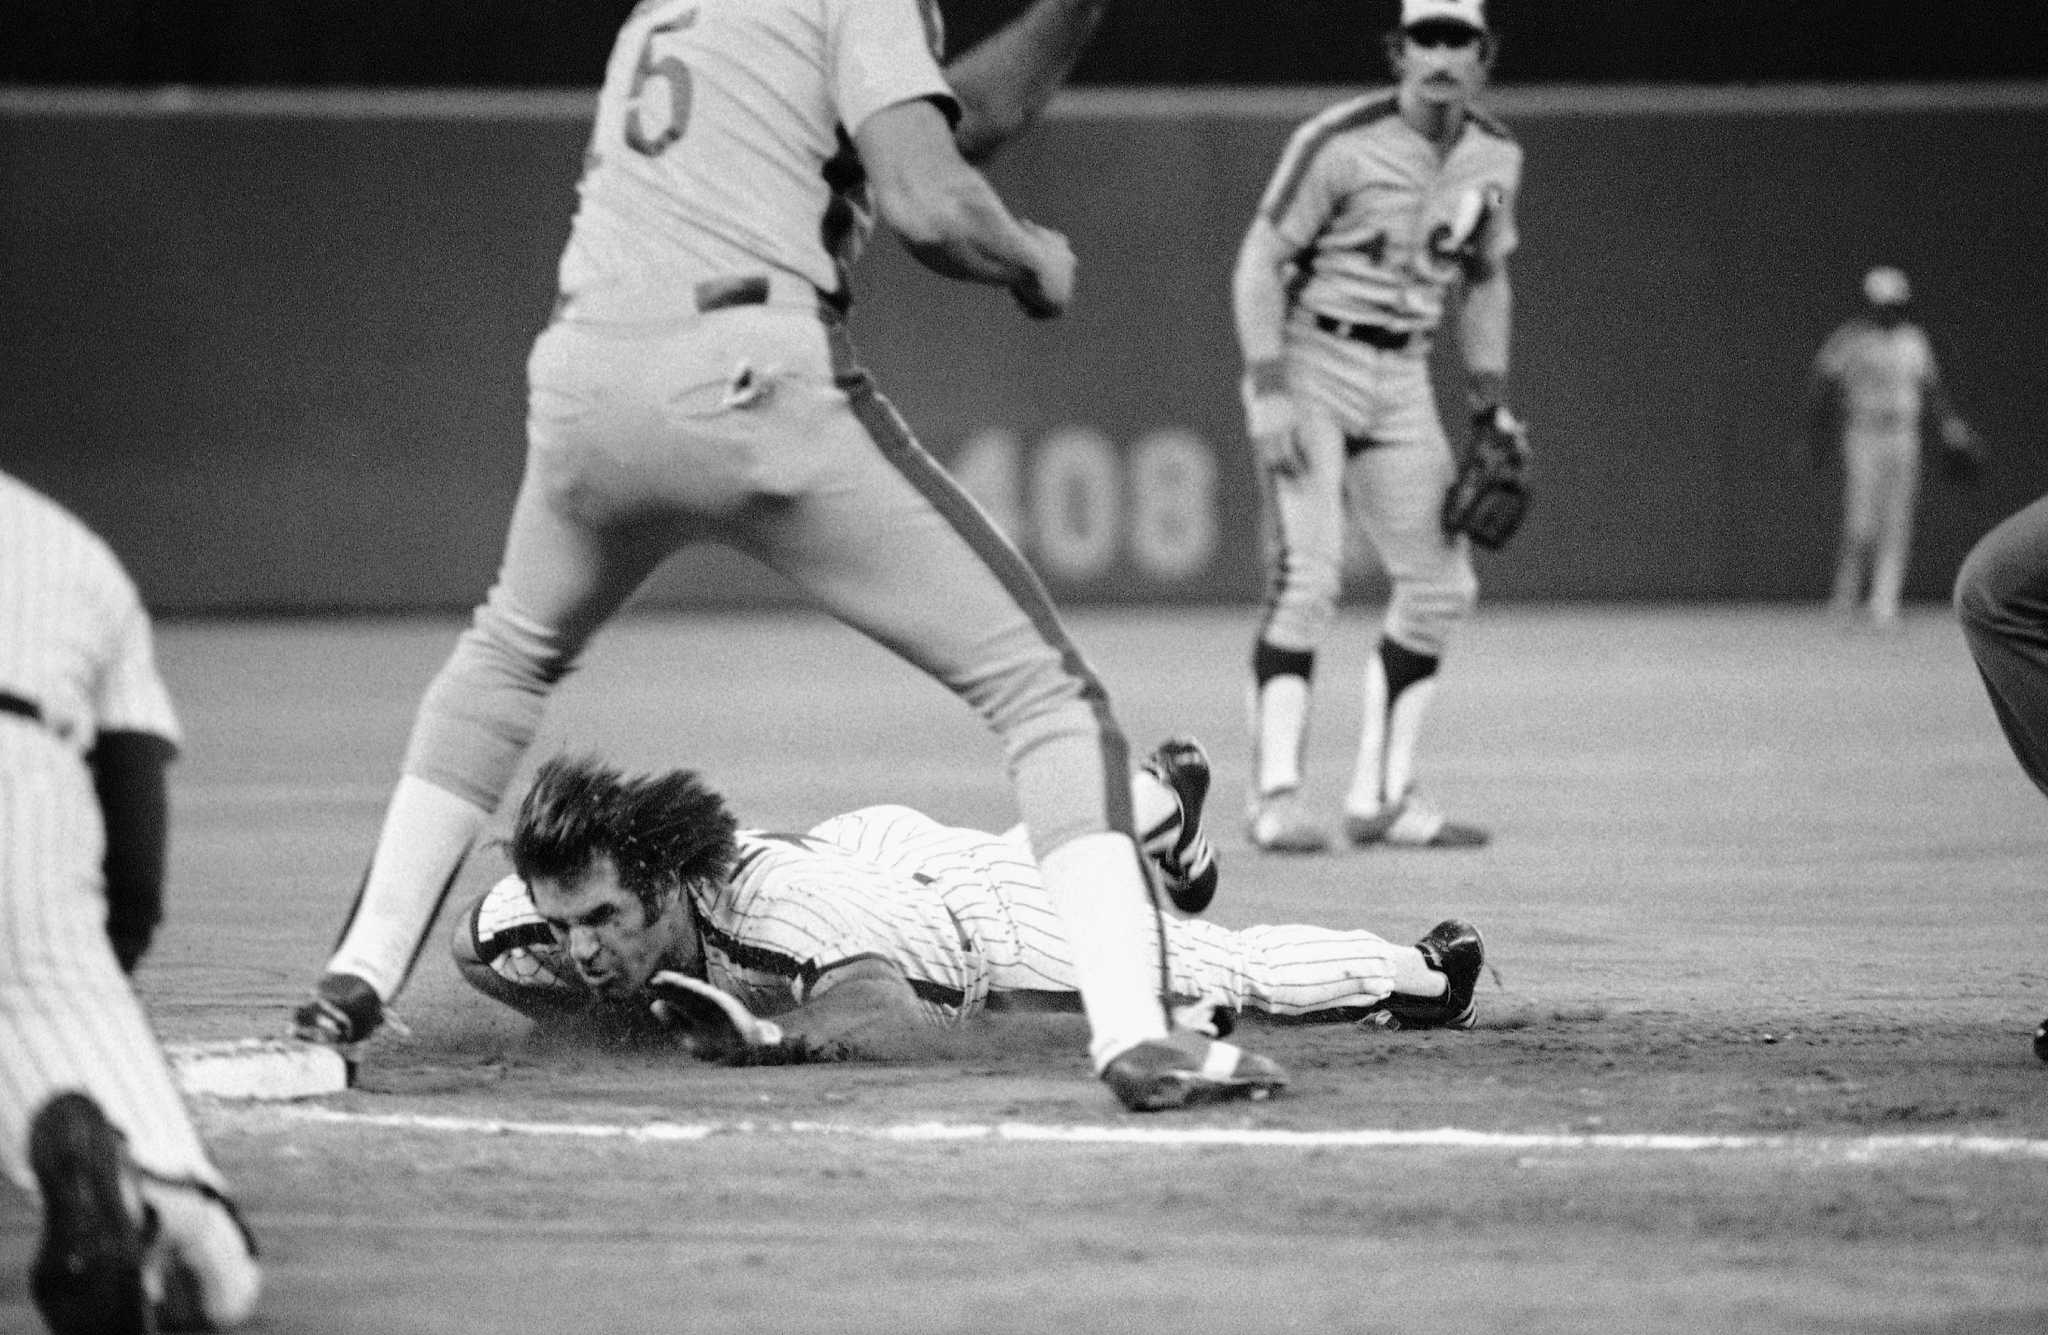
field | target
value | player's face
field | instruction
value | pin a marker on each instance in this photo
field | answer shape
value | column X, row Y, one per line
column 1443, row 62
column 604, row 930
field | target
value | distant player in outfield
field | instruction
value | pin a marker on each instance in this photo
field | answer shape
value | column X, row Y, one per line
column 1379, row 208
column 2001, row 598
column 137, row 1234
column 698, row 384
column 1874, row 382
column 632, row 890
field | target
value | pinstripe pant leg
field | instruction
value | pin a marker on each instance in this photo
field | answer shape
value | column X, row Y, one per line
column 68, row 1017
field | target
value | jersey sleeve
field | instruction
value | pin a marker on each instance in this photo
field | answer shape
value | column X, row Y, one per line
column 130, row 695
column 1923, row 357
column 883, row 52
column 1504, row 232
column 504, row 949
column 1831, row 360
column 1302, row 192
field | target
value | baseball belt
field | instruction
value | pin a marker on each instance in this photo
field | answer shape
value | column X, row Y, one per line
column 1387, row 340
column 11, row 703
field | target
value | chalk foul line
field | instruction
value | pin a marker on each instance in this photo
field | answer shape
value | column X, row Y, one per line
column 1848, row 1148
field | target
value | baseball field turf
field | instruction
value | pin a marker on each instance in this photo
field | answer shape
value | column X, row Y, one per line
column 1764, row 907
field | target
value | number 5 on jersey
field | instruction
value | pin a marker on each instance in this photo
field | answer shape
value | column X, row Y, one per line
column 649, row 107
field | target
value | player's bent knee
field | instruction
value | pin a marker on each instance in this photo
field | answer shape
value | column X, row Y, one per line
column 1423, row 616
column 1303, row 610
column 504, row 643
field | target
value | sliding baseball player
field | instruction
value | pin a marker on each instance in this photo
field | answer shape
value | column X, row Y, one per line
column 631, row 890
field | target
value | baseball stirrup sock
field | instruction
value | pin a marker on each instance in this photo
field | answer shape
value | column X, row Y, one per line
column 1281, row 696
column 427, row 834
column 1099, row 887
column 1399, row 685
column 1155, row 810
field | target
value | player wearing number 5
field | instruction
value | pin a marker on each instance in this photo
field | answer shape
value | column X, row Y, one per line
column 697, row 383
column 1380, row 206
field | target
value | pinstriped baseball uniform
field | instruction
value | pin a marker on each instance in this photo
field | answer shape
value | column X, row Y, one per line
column 76, row 659
column 962, row 913
column 698, row 384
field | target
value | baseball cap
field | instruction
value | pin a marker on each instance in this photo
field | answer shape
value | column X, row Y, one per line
column 1886, row 286
column 1469, row 13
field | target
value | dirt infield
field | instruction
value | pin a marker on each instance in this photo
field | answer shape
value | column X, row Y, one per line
column 1765, row 905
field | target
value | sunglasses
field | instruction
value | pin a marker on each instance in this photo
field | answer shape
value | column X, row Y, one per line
column 1455, row 36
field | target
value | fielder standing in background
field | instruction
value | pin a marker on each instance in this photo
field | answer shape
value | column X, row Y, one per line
column 698, row 383
column 1379, row 207
column 637, row 889
column 1874, row 381
column 2001, row 598
column 136, row 1231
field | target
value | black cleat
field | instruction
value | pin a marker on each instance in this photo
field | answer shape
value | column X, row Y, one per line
column 2041, row 1041
column 343, row 1010
column 1189, row 862
column 88, row 1276
column 1455, row 950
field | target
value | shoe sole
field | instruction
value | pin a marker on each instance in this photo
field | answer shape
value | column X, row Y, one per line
column 87, row 1278
column 1196, row 889
column 1291, row 843
column 1443, row 839
column 1186, row 1089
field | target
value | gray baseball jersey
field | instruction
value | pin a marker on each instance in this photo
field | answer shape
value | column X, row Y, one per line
column 1380, row 224
column 962, row 913
column 698, row 384
column 76, row 659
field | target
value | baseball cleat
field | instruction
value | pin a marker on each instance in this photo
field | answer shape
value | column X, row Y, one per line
column 1186, row 1068
column 343, row 1011
column 1189, row 865
column 1410, row 823
column 2041, row 1041
column 1279, row 825
column 87, row 1278
column 1455, row 950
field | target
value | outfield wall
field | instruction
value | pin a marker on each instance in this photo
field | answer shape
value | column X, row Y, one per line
column 273, row 345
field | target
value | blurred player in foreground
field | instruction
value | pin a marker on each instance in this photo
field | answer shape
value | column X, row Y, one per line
column 1380, row 205
column 639, row 896
column 137, row 1234
column 1874, row 382
column 698, row 383
column 2001, row 598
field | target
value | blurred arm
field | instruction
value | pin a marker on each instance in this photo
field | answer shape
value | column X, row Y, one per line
column 1005, row 81
column 950, row 218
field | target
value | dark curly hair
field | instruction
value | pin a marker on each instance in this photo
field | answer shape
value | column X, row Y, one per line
column 659, row 830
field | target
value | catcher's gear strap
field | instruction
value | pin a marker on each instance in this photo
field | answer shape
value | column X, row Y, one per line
column 1490, row 495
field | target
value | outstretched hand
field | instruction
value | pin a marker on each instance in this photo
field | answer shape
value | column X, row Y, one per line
column 716, row 1025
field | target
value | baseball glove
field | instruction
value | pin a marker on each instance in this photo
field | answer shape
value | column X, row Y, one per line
column 1490, row 495
column 1962, row 452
